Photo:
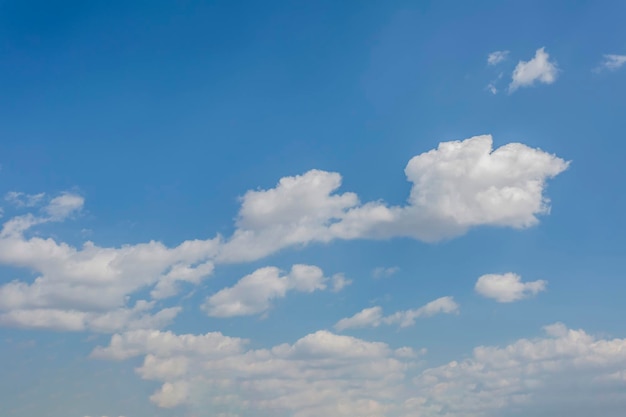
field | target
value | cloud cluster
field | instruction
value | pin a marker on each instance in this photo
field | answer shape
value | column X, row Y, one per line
column 327, row 374
column 87, row 288
column 527, row 372
column 373, row 316
column 320, row 374
column 459, row 185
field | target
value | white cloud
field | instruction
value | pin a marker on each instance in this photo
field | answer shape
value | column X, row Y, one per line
column 320, row 374
column 384, row 272
column 612, row 62
column 64, row 205
column 368, row 317
column 496, row 57
column 253, row 294
column 538, row 69
column 373, row 317
column 507, row 287
column 328, row 374
column 87, row 288
column 457, row 186
column 523, row 373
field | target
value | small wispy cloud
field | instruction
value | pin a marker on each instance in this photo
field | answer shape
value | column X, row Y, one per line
column 496, row 57
column 384, row 272
column 611, row 62
column 491, row 87
column 538, row 69
column 20, row 199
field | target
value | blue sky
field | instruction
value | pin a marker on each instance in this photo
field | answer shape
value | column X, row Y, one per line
column 398, row 209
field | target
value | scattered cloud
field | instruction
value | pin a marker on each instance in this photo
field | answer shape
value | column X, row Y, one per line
column 539, row 69
column 611, row 62
column 459, row 185
column 253, row 294
column 508, row 287
column 384, row 272
column 373, row 317
column 327, row 374
column 496, row 57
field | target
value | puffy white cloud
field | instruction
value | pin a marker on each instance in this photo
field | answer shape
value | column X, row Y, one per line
column 459, row 185
column 384, row 272
column 328, row 374
column 297, row 211
column 373, row 317
column 87, row 288
column 612, row 62
column 496, row 57
column 538, row 69
column 253, row 294
column 506, row 288
column 320, row 374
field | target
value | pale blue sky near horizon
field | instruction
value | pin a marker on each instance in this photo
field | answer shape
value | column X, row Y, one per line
column 162, row 115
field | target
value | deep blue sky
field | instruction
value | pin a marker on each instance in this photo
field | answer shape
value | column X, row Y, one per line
column 163, row 114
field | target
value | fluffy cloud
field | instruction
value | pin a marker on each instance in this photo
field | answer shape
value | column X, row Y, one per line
column 612, row 62
column 459, row 185
column 328, row 374
column 526, row 372
column 496, row 57
column 253, row 294
column 539, row 69
column 508, row 287
column 373, row 317
column 320, row 374
column 87, row 288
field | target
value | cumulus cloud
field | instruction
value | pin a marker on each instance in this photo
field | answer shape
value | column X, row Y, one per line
column 538, row 69
column 525, row 372
column 506, row 288
column 459, row 185
column 373, row 317
column 320, row 374
column 611, row 62
column 496, row 57
column 87, row 288
column 327, row 374
column 253, row 294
